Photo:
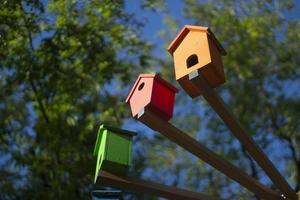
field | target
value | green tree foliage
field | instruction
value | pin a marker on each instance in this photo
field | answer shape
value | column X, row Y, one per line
column 64, row 66
column 262, row 72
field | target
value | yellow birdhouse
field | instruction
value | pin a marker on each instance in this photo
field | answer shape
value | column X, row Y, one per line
column 196, row 48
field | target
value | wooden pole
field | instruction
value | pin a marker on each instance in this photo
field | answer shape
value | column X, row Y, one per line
column 182, row 139
column 239, row 132
column 147, row 187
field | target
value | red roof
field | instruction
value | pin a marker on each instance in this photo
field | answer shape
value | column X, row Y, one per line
column 156, row 77
column 186, row 29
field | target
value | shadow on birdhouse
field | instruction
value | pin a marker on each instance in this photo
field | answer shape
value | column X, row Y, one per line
column 113, row 150
column 153, row 93
column 196, row 48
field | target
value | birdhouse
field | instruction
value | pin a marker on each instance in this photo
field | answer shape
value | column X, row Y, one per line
column 196, row 48
column 113, row 150
column 153, row 93
column 107, row 194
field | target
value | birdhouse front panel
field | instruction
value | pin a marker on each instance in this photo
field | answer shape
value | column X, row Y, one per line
column 151, row 92
column 141, row 94
column 100, row 150
column 192, row 53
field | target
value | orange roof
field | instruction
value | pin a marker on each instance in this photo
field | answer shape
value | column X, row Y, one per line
column 186, row 29
column 156, row 77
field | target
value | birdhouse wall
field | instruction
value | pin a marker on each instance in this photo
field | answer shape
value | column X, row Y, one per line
column 194, row 43
column 118, row 148
column 141, row 96
column 114, row 167
column 218, row 77
column 116, row 152
column 162, row 101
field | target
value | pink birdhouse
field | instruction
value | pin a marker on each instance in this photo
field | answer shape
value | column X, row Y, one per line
column 151, row 92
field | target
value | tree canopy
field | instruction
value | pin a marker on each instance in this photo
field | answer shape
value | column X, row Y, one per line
column 65, row 67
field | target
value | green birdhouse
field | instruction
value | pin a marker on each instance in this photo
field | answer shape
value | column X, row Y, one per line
column 113, row 150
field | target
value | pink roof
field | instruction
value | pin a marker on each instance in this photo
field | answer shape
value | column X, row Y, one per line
column 156, row 77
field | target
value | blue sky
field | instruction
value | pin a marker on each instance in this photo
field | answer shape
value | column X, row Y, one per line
column 154, row 22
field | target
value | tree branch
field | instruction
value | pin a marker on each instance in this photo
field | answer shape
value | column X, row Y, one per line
column 43, row 110
column 33, row 86
column 254, row 172
column 290, row 146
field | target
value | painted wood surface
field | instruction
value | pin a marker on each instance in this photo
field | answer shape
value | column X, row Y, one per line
column 150, row 188
column 196, row 148
column 196, row 48
column 151, row 91
column 113, row 150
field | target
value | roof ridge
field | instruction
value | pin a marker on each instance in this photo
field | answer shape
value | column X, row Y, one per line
column 156, row 76
column 118, row 130
column 185, row 30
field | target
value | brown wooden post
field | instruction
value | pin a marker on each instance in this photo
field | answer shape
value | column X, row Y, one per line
column 182, row 139
column 147, row 187
column 239, row 132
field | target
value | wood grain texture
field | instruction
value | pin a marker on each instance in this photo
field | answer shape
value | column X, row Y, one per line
column 185, row 141
column 151, row 188
column 240, row 133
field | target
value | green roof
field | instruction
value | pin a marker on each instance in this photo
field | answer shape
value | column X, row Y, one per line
column 118, row 131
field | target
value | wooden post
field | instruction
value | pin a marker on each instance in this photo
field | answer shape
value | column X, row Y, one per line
column 239, row 132
column 147, row 187
column 182, row 139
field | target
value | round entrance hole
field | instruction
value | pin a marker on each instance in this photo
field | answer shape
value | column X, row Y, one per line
column 141, row 86
column 192, row 60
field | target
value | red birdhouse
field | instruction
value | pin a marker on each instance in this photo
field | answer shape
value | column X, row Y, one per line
column 151, row 92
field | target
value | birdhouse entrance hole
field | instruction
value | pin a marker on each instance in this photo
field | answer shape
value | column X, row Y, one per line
column 141, row 86
column 192, row 60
